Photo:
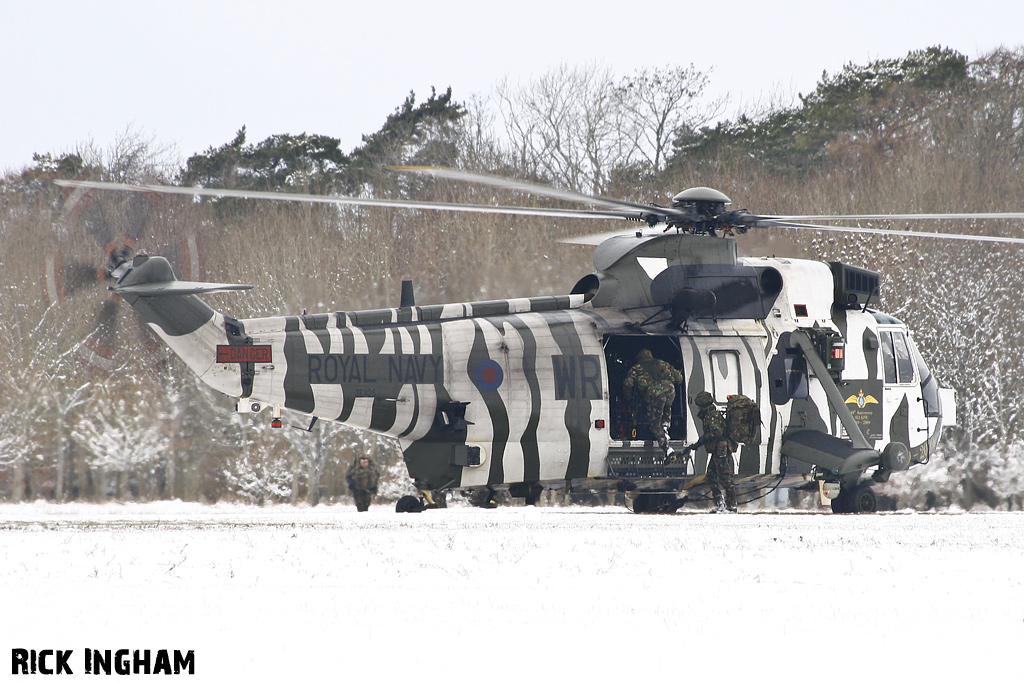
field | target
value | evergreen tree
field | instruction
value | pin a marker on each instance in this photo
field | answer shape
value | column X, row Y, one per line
column 865, row 107
column 424, row 134
column 417, row 134
column 306, row 163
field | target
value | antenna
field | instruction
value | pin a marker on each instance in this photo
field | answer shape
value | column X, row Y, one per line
column 408, row 298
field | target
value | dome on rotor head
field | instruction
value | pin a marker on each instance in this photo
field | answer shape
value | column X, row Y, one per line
column 701, row 194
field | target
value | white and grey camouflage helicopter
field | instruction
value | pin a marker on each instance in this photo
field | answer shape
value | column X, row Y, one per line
column 522, row 395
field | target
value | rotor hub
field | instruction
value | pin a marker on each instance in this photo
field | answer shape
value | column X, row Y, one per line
column 701, row 194
column 703, row 201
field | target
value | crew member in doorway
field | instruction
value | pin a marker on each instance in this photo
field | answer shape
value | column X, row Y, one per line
column 720, row 448
column 651, row 388
column 362, row 481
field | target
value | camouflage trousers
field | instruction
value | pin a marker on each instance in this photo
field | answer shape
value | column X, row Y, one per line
column 659, row 415
column 719, row 478
column 363, row 499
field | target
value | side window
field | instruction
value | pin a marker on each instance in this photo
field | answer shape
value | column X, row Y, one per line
column 904, row 361
column 888, row 358
column 725, row 374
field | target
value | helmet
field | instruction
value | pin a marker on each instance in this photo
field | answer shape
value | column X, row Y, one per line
column 645, row 354
column 704, row 399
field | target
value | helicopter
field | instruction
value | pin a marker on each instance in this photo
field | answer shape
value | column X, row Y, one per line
column 527, row 394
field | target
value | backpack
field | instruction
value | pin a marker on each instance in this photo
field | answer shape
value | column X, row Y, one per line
column 743, row 420
column 647, row 374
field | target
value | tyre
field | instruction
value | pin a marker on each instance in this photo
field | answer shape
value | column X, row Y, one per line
column 860, row 499
column 863, row 500
column 841, row 504
column 645, row 503
column 409, row 504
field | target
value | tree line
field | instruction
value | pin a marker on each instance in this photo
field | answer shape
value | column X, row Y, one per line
column 96, row 410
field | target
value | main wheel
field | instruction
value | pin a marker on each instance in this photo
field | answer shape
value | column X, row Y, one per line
column 840, row 504
column 856, row 500
column 863, row 499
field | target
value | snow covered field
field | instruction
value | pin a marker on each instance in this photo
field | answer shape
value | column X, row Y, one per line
column 519, row 593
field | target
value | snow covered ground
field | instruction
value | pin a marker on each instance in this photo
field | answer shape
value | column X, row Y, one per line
column 519, row 593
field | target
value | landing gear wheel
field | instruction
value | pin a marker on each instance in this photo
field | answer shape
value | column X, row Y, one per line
column 840, row 503
column 863, row 499
column 860, row 499
column 409, row 504
column 647, row 503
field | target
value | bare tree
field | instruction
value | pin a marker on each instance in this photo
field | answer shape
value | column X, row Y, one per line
column 564, row 125
column 660, row 103
column 577, row 125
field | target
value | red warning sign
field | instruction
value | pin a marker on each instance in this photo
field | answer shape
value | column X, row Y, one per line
column 244, row 354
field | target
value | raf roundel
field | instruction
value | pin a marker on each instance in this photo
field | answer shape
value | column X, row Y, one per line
column 488, row 375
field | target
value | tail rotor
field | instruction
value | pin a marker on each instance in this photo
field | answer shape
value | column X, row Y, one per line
column 93, row 242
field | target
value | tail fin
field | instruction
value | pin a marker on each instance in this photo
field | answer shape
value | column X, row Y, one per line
column 189, row 326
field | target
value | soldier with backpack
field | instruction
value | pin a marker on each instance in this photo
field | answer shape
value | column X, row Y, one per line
column 651, row 388
column 719, row 446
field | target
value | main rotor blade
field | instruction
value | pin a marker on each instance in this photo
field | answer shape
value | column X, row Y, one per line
column 883, row 231
column 355, row 201
column 534, row 188
column 902, row 217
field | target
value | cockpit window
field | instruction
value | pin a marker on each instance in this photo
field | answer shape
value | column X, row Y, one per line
column 904, row 361
column 897, row 360
column 888, row 358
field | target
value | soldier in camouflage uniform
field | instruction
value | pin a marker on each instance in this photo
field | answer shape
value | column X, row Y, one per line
column 720, row 448
column 651, row 384
column 362, row 481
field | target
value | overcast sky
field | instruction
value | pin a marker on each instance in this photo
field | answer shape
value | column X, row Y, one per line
column 189, row 73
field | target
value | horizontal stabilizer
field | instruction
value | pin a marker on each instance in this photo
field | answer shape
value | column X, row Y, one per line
column 176, row 288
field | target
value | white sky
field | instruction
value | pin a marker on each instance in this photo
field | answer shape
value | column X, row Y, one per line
column 189, row 73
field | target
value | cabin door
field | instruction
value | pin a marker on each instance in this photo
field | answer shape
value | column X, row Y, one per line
column 628, row 422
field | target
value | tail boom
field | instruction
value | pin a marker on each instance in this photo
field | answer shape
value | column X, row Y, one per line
column 191, row 328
